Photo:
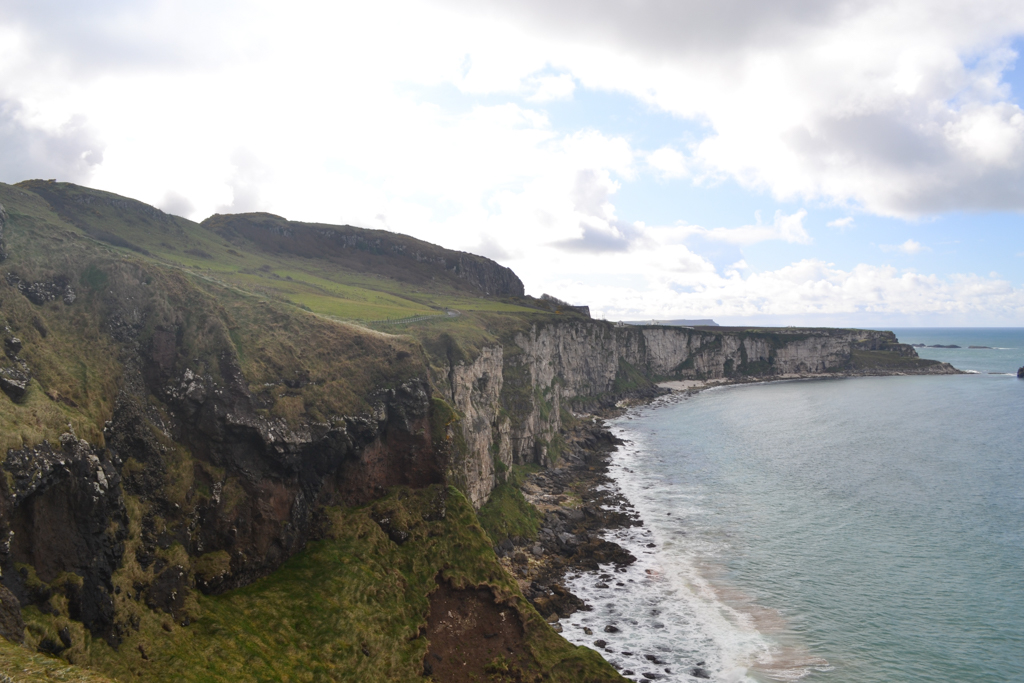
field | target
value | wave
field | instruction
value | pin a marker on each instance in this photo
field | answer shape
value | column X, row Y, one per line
column 671, row 612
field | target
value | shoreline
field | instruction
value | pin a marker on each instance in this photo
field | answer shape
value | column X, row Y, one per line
column 582, row 505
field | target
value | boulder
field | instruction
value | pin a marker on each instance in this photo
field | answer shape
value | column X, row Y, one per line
column 14, row 388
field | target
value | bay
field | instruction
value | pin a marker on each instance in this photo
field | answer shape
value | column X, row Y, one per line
column 867, row 529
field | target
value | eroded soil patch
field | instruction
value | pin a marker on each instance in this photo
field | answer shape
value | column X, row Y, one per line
column 472, row 637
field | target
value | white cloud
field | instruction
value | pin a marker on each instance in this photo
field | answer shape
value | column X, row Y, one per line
column 910, row 247
column 669, row 163
column 897, row 107
column 841, row 223
column 809, row 290
column 785, row 228
column 551, row 88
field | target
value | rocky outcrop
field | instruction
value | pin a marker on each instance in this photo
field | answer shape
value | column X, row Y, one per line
column 218, row 490
column 41, row 292
column 65, row 518
column 1020, row 373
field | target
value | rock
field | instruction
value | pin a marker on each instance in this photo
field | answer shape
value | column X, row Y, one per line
column 700, row 672
column 41, row 292
column 553, row 618
column 519, row 558
column 979, row 347
column 589, row 631
column 568, row 539
column 169, row 590
column 943, row 346
column 1020, row 373
column 610, row 628
column 537, row 550
column 557, row 628
column 13, row 345
column 600, row 643
column 16, row 389
column 653, row 659
column 11, row 625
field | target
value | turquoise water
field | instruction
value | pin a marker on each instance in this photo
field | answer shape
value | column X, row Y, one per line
column 867, row 529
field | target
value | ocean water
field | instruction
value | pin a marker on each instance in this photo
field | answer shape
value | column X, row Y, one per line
column 858, row 530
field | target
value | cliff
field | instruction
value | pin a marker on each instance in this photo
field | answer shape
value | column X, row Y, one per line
column 189, row 429
column 516, row 396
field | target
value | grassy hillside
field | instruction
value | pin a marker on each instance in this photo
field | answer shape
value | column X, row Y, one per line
column 355, row 606
column 275, row 259
column 107, row 302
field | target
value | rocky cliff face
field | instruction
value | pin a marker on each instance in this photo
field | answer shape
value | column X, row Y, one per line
column 514, row 396
column 203, row 476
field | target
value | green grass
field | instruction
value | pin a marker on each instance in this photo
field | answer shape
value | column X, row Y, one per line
column 21, row 664
column 886, row 360
column 507, row 513
column 348, row 608
column 126, row 227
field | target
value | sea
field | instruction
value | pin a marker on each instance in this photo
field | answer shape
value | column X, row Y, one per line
column 842, row 530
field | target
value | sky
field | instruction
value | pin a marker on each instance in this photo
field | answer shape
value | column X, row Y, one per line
column 799, row 162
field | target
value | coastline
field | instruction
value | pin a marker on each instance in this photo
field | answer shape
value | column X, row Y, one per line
column 584, row 507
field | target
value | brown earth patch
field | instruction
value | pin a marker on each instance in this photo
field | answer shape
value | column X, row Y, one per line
column 473, row 637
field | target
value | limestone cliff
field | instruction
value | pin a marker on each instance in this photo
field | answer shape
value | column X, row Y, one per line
column 513, row 396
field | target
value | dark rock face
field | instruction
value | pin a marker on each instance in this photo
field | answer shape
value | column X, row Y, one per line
column 1020, row 372
column 65, row 514
column 11, row 626
column 262, row 509
column 169, row 590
